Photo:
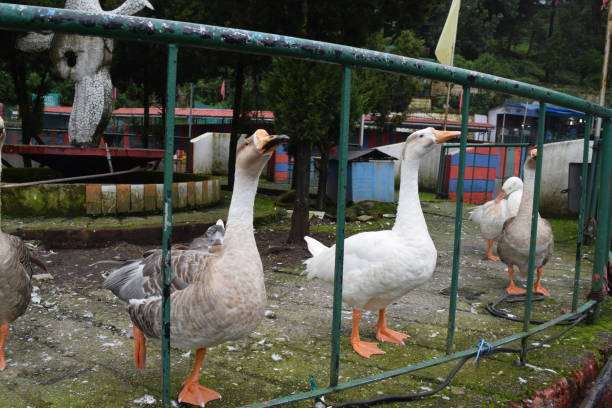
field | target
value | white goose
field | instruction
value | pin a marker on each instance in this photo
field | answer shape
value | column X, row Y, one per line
column 492, row 214
column 225, row 296
column 382, row 266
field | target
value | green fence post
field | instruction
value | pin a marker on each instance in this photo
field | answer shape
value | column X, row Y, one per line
column 340, row 221
column 452, row 309
column 581, row 211
column 602, row 243
column 167, row 227
column 534, row 227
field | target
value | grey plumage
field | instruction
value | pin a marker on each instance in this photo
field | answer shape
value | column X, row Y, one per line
column 16, row 268
column 143, row 278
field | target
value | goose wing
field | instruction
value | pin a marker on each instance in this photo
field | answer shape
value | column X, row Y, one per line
column 24, row 256
column 143, row 278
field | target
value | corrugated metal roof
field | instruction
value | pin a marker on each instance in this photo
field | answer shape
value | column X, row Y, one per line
column 364, row 155
column 196, row 112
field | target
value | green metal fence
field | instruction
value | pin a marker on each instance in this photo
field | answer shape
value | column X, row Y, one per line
column 178, row 34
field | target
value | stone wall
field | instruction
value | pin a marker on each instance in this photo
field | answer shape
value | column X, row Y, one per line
column 106, row 199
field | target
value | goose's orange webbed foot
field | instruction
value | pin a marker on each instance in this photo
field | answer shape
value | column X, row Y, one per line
column 365, row 348
column 391, row 336
column 537, row 287
column 490, row 251
column 384, row 333
column 195, row 394
column 512, row 289
column 540, row 289
column 140, row 348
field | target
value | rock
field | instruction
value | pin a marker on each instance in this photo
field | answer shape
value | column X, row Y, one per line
column 388, row 215
column 316, row 214
column 42, row 276
column 365, row 218
column 270, row 314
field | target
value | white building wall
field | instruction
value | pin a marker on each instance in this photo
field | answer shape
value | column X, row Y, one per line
column 211, row 153
column 555, row 174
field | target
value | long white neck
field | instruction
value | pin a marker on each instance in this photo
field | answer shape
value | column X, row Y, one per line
column 409, row 213
column 526, row 206
column 240, row 215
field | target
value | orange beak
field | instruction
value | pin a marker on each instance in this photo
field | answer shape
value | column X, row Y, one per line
column 500, row 197
column 444, row 135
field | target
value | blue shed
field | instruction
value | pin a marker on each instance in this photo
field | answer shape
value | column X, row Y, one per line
column 369, row 176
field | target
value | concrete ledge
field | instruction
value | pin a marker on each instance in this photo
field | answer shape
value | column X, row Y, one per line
column 106, row 199
column 102, row 237
column 80, row 238
column 566, row 392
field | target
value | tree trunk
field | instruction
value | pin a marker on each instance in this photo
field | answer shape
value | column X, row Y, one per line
column 29, row 111
column 236, row 107
column 146, row 98
column 299, row 219
column 531, row 39
column 551, row 21
column 323, row 174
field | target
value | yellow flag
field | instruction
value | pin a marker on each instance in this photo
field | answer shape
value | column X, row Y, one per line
column 445, row 50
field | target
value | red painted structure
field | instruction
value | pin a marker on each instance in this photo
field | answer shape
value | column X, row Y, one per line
column 77, row 161
column 486, row 170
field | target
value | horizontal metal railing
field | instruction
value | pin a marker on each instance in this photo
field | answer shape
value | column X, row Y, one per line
column 175, row 34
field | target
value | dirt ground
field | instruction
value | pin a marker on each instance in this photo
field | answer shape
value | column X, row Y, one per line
column 72, row 347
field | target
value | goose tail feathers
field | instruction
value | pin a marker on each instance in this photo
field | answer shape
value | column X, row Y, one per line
column 314, row 246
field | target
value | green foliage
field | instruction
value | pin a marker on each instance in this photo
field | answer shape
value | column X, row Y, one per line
column 384, row 93
column 304, row 97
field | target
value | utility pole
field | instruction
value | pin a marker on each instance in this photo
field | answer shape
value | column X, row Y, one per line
column 604, row 72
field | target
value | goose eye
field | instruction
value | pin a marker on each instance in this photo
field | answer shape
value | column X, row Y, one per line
column 420, row 135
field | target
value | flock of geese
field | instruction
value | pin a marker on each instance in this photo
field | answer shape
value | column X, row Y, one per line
column 218, row 292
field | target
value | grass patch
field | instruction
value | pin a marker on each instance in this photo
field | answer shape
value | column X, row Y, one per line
column 564, row 229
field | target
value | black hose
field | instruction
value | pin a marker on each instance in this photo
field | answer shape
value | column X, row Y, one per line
column 415, row 396
column 404, row 397
column 492, row 308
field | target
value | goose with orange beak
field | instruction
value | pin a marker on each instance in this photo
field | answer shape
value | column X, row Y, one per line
column 380, row 267
column 513, row 244
column 491, row 215
column 225, row 296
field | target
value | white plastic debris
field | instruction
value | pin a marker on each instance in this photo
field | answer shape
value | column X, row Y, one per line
column 113, row 344
column 276, row 357
column 35, row 297
column 146, row 399
column 42, row 276
column 522, row 380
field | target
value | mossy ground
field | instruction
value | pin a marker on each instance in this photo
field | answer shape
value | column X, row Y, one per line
column 72, row 348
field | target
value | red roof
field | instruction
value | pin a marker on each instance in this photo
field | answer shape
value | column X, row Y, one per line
column 227, row 113
column 436, row 121
column 219, row 113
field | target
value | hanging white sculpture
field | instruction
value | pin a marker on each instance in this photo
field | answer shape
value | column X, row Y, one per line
column 86, row 61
